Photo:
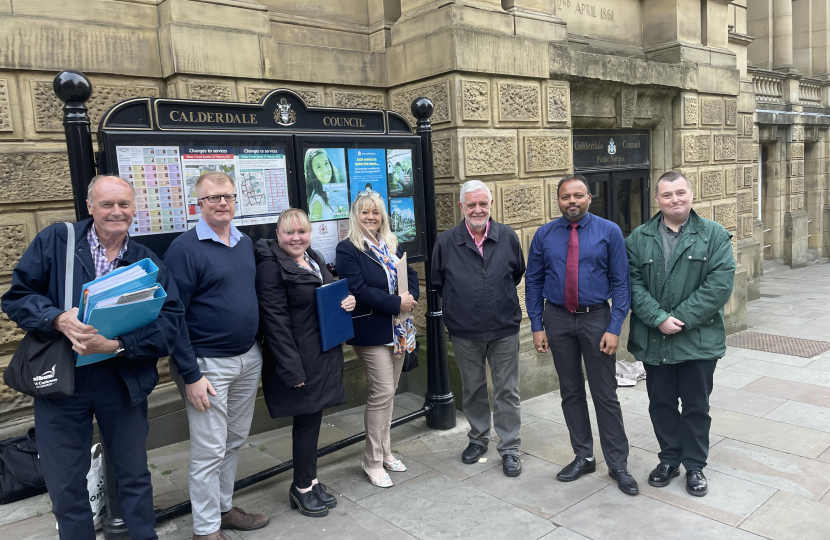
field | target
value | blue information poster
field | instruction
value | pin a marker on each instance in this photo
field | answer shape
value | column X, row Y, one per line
column 402, row 218
column 366, row 171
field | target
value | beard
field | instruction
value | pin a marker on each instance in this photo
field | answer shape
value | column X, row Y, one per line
column 477, row 227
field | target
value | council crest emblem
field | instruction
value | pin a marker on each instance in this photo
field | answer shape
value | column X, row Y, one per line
column 284, row 115
column 612, row 149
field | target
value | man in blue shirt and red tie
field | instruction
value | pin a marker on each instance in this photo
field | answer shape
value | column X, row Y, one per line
column 575, row 265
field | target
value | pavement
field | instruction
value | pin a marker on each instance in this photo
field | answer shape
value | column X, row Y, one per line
column 769, row 464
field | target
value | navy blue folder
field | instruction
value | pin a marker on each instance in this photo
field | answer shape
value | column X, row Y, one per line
column 335, row 323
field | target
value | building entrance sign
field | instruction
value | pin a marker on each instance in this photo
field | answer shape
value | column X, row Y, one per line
column 610, row 150
column 281, row 153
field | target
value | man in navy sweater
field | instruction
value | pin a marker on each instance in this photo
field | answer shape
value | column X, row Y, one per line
column 217, row 360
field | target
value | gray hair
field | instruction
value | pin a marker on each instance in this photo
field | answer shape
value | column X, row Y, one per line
column 672, row 176
column 471, row 186
column 96, row 179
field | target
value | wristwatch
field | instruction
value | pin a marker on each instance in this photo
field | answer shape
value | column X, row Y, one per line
column 120, row 350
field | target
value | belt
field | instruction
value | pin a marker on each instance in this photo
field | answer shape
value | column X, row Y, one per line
column 581, row 309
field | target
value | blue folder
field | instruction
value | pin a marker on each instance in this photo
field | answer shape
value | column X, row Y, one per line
column 113, row 321
column 335, row 323
column 134, row 285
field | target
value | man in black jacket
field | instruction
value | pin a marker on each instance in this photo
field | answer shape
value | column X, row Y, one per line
column 113, row 390
column 476, row 267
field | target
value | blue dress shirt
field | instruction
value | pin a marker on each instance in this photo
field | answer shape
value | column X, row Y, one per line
column 603, row 269
column 204, row 232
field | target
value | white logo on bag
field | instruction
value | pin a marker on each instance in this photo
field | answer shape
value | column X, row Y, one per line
column 48, row 378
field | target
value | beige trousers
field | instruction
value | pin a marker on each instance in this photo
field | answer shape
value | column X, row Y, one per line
column 383, row 371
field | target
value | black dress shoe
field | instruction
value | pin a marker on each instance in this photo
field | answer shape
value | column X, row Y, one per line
column 577, row 468
column 662, row 474
column 307, row 503
column 511, row 465
column 471, row 454
column 323, row 495
column 696, row 483
column 625, row 481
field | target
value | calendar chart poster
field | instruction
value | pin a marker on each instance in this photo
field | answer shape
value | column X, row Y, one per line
column 156, row 174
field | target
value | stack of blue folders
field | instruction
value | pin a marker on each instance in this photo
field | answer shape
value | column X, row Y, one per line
column 124, row 300
column 335, row 323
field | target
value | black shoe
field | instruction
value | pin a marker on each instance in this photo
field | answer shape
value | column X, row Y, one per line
column 696, row 483
column 471, row 454
column 323, row 495
column 511, row 465
column 307, row 503
column 662, row 474
column 577, row 468
column 625, row 481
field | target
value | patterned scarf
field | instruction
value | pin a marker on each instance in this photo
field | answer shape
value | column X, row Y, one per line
column 404, row 330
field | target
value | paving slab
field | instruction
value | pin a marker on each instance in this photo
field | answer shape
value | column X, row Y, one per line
column 550, row 441
column 766, row 356
column 633, row 401
column 802, row 414
column 743, row 402
column 347, row 477
column 173, row 457
column 563, row 533
column 409, row 401
column 612, row 515
column 347, row 521
column 730, row 499
column 790, row 517
column 780, row 470
column 454, row 510
column 33, row 528
column 27, row 508
column 791, row 390
column 278, row 443
column 821, row 363
column 734, row 379
column 537, row 489
column 797, row 440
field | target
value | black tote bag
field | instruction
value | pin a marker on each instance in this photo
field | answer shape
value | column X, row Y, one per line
column 44, row 366
column 20, row 473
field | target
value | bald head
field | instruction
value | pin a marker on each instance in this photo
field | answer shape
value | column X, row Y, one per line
column 103, row 178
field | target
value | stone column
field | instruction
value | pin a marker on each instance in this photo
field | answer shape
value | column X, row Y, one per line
column 795, row 217
column 782, row 35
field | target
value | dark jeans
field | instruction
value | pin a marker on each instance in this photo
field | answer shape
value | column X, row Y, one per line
column 573, row 337
column 64, row 438
column 683, row 436
column 305, row 433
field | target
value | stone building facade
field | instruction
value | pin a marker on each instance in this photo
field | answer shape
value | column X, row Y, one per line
column 513, row 82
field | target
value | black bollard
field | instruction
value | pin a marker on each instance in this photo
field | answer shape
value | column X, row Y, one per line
column 74, row 89
column 439, row 395
column 114, row 526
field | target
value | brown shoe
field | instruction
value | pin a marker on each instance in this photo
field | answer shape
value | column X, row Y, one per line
column 218, row 535
column 237, row 519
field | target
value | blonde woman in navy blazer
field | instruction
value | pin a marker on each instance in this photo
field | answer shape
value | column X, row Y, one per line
column 383, row 330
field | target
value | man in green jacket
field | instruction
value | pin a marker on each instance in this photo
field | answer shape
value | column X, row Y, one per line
column 682, row 273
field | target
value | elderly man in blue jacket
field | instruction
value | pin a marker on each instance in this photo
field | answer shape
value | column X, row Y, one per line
column 115, row 390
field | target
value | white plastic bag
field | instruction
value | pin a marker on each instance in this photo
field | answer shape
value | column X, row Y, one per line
column 95, row 486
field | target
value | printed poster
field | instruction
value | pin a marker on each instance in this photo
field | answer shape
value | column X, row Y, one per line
column 156, row 174
column 399, row 172
column 366, row 172
column 201, row 159
column 402, row 218
column 262, row 184
column 326, row 188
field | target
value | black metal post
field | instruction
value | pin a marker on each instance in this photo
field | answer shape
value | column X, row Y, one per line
column 439, row 395
column 74, row 89
column 114, row 526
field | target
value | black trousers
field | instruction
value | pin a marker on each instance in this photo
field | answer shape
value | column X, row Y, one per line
column 64, row 437
column 574, row 337
column 683, row 436
column 305, row 433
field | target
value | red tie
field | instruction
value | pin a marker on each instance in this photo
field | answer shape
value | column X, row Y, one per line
column 572, row 271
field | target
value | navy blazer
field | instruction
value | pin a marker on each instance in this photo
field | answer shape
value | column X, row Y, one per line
column 372, row 317
column 36, row 294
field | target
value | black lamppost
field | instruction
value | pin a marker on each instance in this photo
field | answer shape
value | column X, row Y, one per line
column 439, row 395
column 74, row 89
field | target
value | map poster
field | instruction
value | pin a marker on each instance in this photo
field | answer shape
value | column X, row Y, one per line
column 156, row 174
column 402, row 218
column 262, row 184
column 366, row 172
column 201, row 159
column 399, row 172
column 324, row 170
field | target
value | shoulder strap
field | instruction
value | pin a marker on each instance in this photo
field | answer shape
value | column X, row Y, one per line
column 70, row 265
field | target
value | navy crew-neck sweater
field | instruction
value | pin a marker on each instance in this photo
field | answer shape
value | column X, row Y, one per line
column 217, row 287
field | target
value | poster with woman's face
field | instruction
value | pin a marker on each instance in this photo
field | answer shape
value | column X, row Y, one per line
column 325, row 182
column 399, row 172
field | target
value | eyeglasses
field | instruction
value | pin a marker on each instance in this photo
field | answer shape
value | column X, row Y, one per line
column 229, row 197
column 367, row 194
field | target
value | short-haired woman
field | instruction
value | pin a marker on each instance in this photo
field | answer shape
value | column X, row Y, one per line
column 299, row 379
column 383, row 329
